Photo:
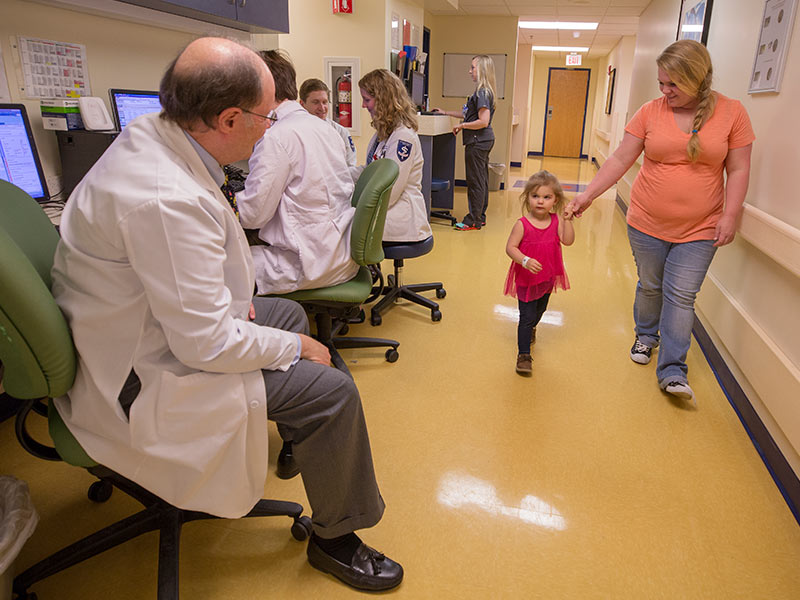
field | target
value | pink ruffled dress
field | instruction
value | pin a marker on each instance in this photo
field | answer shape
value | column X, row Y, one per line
column 544, row 246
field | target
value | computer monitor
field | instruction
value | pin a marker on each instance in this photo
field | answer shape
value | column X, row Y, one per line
column 416, row 88
column 19, row 160
column 129, row 104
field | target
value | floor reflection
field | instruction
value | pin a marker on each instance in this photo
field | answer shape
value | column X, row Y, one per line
column 457, row 490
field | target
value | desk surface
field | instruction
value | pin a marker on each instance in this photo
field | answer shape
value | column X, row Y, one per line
column 436, row 124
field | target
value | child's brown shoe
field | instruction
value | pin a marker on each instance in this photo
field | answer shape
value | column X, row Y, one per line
column 524, row 364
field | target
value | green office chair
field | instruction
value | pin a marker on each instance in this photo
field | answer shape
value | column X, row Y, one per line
column 333, row 307
column 37, row 351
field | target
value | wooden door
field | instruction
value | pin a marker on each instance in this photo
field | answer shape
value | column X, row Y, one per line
column 567, row 97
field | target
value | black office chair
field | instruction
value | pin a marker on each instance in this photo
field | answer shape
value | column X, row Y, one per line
column 441, row 185
column 398, row 252
column 37, row 351
column 333, row 307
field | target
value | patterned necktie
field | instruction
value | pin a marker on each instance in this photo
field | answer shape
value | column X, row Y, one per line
column 227, row 191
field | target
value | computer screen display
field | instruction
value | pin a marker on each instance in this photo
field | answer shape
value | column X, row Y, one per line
column 19, row 160
column 129, row 104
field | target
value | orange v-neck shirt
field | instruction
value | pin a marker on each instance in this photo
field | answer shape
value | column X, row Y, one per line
column 673, row 198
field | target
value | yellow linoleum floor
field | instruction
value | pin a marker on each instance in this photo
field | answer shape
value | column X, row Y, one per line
column 583, row 481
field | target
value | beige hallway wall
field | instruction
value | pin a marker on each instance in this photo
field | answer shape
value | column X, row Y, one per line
column 609, row 128
column 523, row 86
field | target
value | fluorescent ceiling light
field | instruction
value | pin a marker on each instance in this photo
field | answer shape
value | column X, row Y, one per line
column 560, row 48
column 692, row 28
column 555, row 25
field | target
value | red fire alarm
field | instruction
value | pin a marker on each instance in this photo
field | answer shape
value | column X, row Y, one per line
column 343, row 6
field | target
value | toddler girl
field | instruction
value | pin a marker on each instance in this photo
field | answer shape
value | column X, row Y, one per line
column 535, row 249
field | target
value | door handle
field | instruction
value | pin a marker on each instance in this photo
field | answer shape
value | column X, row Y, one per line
column 549, row 112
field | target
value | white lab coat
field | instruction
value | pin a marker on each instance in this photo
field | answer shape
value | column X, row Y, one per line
column 407, row 216
column 298, row 194
column 350, row 147
column 154, row 274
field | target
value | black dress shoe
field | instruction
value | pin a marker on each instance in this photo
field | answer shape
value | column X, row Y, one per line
column 368, row 570
column 287, row 466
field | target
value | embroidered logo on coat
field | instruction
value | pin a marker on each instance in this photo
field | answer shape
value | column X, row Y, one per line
column 403, row 150
column 352, row 145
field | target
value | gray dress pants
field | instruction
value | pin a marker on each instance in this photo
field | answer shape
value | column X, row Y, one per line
column 319, row 409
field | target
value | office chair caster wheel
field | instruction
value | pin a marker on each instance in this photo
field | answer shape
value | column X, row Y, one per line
column 375, row 319
column 392, row 355
column 436, row 315
column 390, row 280
column 441, row 293
column 301, row 528
column 100, row 491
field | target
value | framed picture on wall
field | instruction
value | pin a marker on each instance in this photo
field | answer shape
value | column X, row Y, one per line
column 773, row 40
column 612, row 78
column 694, row 21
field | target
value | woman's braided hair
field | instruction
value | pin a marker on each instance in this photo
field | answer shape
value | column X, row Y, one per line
column 688, row 64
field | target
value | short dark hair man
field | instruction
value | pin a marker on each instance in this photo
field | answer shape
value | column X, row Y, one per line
column 178, row 365
column 298, row 196
column 314, row 97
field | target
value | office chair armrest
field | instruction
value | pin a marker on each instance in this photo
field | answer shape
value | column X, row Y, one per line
column 31, row 445
column 377, row 277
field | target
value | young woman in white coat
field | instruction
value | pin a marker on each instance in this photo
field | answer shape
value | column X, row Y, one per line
column 394, row 118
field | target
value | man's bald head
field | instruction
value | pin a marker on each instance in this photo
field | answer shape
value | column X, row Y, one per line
column 210, row 75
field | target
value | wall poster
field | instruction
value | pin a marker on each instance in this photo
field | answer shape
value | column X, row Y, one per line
column 773, row 41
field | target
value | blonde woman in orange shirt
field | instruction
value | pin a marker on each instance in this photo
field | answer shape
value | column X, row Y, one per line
column 682, row 208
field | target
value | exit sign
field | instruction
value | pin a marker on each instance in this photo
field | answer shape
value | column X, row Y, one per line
column 573, row 60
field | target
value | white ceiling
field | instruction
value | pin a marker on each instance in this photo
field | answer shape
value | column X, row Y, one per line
column 616, row 17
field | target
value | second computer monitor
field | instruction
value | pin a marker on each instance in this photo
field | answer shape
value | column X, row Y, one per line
column 129, row 104
column 417, row 89
column 19, row 160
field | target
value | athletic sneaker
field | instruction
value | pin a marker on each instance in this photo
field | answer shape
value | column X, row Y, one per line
column 640, row 353
column 465, row 227
column 679, row 389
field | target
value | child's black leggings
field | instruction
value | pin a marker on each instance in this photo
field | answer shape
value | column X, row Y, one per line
column 530, row 313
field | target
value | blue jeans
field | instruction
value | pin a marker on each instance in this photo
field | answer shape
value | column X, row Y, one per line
column 670, row 275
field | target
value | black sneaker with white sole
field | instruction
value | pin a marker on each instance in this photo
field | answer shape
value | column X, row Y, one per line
column 640, row 353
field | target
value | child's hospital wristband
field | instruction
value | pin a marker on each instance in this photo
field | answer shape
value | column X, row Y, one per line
column 525, row 260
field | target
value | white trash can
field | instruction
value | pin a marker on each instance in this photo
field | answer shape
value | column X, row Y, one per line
column 18, row 519
column 496, row 172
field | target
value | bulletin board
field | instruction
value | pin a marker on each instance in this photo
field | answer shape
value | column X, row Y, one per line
column 456, row 79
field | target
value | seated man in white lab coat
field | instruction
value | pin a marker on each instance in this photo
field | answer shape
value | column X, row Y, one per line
column 178, row 366
column 314, row 98
column 298, row 196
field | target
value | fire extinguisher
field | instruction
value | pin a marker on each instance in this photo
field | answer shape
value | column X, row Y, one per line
column 345, row 101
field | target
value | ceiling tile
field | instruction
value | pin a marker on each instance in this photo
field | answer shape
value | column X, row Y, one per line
column 624, row 11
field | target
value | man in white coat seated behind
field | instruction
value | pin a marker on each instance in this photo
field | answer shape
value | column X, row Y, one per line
column 178, row 366
column 314, row 98
column 298, row 196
